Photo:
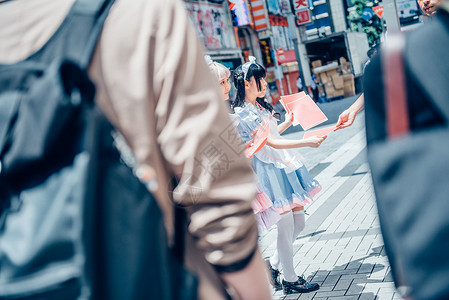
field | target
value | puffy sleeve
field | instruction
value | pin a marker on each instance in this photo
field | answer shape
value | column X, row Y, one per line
column 248, row 122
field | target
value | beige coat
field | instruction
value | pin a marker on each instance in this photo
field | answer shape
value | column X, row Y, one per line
column 153, row 84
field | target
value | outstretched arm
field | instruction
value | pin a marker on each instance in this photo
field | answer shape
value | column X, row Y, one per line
column 313, row 142
column 347, row 117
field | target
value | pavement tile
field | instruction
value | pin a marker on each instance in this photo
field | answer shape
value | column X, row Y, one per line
column 331, row 280
column 323, row 294
column 388, row 277
column 326, row 288
column 355, row 288
column 354, row 265
column 353, row 276
column 387, row 296
column 342, row 284
column 370, row 290
column 386, row 290
column 367, row 296
column 365, row 268
column 307, row 296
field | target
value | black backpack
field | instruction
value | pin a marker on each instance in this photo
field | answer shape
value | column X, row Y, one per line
column 410, row 167
column 75, row 222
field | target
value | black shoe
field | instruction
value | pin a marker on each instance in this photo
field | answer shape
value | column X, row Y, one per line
column 274, row 275
column 299, row 286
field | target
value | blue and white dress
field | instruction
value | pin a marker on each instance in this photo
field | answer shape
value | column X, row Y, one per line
column 282, row 175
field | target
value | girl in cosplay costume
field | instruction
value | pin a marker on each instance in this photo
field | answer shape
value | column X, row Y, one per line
column 262, row 206
column 282, row 175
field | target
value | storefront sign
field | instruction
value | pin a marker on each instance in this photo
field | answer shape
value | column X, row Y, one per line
column 301, row 4
column 285, row 6
column 239, row 12
column 276, row 20
column 285, row 56
column 260, row 18
column 265, row 47
column 303, row 17
column 265, row 34
column 273, row 7
column 211, row 22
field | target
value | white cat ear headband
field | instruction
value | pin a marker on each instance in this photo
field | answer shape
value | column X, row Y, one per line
column 245, row 67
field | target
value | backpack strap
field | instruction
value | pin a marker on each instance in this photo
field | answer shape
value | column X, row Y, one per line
column 77, row 36
column 396, row 107
column 398, row 124
column 95, row 13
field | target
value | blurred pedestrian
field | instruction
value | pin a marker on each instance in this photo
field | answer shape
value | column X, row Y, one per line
column 314, row 87
column 429, row 7
column 299, row 85
column 407, row 114
column 153, row 85
column 347, row 117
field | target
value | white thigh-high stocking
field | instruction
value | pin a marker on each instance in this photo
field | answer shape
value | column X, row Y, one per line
column 300, row 222
column 284, row 251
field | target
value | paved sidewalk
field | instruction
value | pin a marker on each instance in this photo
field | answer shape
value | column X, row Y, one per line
column 341, row 247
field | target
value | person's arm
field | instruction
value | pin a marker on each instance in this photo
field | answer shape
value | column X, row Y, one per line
column 286, row 124
column 196, row 140
column 313, row 142
column 246, row 282
column 347, row 117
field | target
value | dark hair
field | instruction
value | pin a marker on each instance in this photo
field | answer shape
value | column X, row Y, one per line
column 258, row 72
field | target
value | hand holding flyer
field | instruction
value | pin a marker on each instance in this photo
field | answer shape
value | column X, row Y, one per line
column 304, row 109
column 319, row 132
column 259, row 140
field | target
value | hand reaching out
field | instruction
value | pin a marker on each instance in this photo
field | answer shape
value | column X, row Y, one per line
column 315, row 141
column 346, row 119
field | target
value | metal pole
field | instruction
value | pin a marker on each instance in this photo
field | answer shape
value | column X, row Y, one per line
column 391, row 15
column 276, row 66
column 294, row 38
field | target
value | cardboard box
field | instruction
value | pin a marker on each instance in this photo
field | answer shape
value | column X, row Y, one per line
column 347, row 77
column 331, row 73
column 329, row 91
column 323, row 77
column 349, row 90
column 349, row 93
column 338, row 81
column 345, row 68
column 316, row 64
column 339, row 92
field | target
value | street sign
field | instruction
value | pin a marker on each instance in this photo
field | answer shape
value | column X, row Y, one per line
column 303, row 17
column 379, row 10
column 281, row 53
column 367, row 14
